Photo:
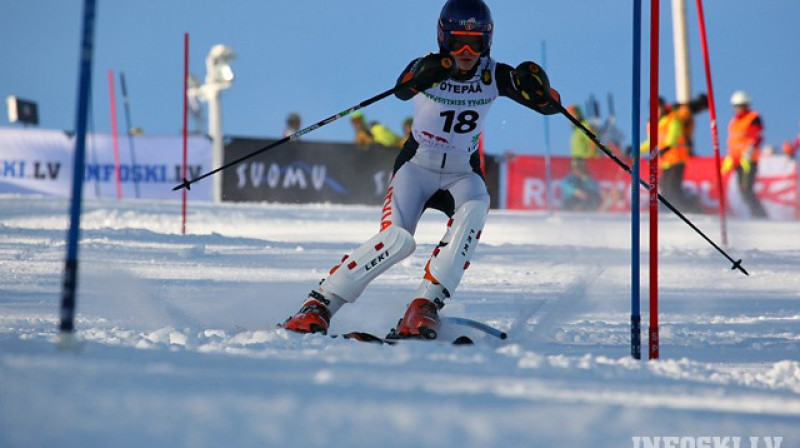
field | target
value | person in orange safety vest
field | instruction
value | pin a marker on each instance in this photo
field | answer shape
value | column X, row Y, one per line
column 745, row 134
column 673, row 154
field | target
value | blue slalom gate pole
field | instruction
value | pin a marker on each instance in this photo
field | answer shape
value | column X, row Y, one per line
column 547, row 165
column 636, row 316
column 67, row 325
column 126, row 101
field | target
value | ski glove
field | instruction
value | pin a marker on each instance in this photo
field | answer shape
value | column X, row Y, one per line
column 532, row 83
column 431, row 70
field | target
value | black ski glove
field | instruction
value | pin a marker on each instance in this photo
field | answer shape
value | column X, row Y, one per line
column 532, row 83
column 432, row 69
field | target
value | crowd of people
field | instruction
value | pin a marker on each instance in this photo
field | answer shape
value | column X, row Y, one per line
column 374, row 132
column 743, row 146
column 366, row 133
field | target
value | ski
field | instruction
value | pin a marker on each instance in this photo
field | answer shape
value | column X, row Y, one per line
column 455, row 337
column 460, row 339
column 361, row 336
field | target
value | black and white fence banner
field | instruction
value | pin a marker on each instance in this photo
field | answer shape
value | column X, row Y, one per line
column 301, row 172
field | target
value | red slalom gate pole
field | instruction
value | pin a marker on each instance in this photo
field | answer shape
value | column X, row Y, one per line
column 712, row 110
column 654, row 44
column 185, row 125
column 114, row 133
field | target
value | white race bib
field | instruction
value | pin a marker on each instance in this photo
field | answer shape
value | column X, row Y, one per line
column 449, row 116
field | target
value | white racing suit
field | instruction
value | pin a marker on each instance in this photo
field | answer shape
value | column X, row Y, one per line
column 439, row 167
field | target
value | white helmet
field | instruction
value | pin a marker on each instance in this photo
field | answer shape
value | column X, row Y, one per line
column 740, row 98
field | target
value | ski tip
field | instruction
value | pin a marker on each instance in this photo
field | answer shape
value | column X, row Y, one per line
column 503, row 335
column 463, row 340
column 364, row 337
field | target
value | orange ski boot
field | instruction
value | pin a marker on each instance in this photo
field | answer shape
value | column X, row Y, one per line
column 420, row 321
column 313, row 317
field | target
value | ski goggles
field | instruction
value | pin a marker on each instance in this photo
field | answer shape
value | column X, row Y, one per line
column 458, row 42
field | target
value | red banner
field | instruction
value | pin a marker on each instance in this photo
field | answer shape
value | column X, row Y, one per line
column 776, row 185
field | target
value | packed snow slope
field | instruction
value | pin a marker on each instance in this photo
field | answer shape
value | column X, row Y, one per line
column 177, row 345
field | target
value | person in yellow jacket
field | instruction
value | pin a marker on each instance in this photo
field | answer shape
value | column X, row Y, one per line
column 686, row 113
column 745, row 134
column 374, row 132
column 673, row 154
column 581, row 147
column 383, row 135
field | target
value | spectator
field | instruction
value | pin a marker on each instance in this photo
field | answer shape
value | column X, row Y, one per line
column 745, row 134
column 579, row 192
column 292, row 124
column 581, row 147
column 790, row 148
column 363, row 137
column 382, row 135
column 685, row 113
column 673, row 156
column 407, row 125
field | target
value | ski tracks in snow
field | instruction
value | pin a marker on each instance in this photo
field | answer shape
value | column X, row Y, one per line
column 541, row 319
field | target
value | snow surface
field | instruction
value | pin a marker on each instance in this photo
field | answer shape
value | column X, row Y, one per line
column 177, row 345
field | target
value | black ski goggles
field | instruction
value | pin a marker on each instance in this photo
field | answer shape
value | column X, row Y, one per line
column 473, row 42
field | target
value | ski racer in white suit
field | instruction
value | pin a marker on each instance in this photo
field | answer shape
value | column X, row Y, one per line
column 438, row 167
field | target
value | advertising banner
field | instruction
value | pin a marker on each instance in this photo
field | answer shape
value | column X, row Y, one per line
column 309, row 172
column 40, row 162
column 776, row 185
column 303, row 172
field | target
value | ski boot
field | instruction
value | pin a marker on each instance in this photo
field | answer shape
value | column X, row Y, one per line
column 313, row 317
column 420, row 321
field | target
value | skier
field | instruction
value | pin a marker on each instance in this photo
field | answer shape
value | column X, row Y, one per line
column 438, row 167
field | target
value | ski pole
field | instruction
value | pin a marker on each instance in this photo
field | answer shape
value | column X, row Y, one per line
column 488, row 329
column 737, row 264
column 187, row 183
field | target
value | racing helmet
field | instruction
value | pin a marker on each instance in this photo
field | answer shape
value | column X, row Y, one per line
column 465, row 25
